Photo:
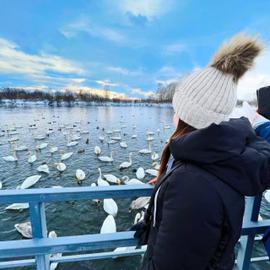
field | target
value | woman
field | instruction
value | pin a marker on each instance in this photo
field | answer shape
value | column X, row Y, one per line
column 195, row 216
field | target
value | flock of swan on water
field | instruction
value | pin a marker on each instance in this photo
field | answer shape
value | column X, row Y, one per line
column 74, row 133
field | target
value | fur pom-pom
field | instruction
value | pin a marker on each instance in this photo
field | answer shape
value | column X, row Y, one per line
column 237, row 55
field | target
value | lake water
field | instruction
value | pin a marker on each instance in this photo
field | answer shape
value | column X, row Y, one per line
column 83, row 217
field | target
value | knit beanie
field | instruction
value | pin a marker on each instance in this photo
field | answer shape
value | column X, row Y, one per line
column 209, row 95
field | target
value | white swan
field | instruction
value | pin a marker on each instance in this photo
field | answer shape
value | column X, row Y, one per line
column 139, row 203
column 53, row 149
column 17, row 206
column 108, row 225
column 72, row 143
column 80, row 175
column 156, row 165
column 97, row 150
column 30, row 181
column 41, row 146
column 123, row 144
column 134, row 136
column 152, row 172
column 12, row 158
column 31, row 158
column 65, row 156
column 53, row 265
column 132, row 181
column 21, row 148
column 154, row 156
column 60, row 166
column 106, row 158
column 110, row 207
column 112, row 178
column 40, row 137
column 146, row 150
column 126, row 164
column 24, row 229
column 140, row 174
column 100, row 181
column 43, row 168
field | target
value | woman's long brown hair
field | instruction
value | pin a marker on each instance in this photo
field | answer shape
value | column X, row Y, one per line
column 181, row 129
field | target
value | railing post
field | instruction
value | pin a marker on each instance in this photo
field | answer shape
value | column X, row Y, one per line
column 252, row 209
column 39, row 230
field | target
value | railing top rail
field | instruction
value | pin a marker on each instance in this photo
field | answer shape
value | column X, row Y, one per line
column 73, row 193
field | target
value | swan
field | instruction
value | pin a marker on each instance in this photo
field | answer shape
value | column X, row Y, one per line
column 12, row 158
column 123, row 144
column 40, row 137
column 41, row 146
column 140, row 174
column 53, row 265
column 156, row 165
column 106, row 158
column 154, row 156
column 139, row 203
column 100, row 181
column 112, row 141
column 60, row 166
column 24, row 229
column 95, row 200
column 53, row 149
column 101, row 138
column 17, row 206
column 126, row 164
column 112, row 179
column 132, row 181
column 145, row 150
column 65, row 156
column 139, row 217
column 30, row 181
column 150, row 138
column 152, row 172
column 14, row 139
column 110, row 207
column 97, row 150
column 108, row 225
column 31, row 158
column 116, row 138
column 267, row 195
column 134, row 136
column 43, row 168
column 150, row 133
column 72, row 143
column 80, row 176
column 21, row 148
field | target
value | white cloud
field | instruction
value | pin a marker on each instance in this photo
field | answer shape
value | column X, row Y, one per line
column 174, row 48
column 256, row 78
column 36, row 67
column 141, row 92
column 83, row 24
column 146, row 8
column 124, row 71
column 106, row 83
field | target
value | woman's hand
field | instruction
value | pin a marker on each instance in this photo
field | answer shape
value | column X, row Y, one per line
column 152, row 181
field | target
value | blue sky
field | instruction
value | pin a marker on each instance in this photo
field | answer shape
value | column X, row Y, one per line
column 127, row 45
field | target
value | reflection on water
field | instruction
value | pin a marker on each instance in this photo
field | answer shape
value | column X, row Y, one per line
column 82, row 217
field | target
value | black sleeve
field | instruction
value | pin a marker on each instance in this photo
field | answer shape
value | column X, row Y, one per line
column 191, row 224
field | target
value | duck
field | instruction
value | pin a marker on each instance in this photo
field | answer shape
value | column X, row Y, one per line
column 108, row 225
column 43, row 168
column 106, row 158
column 126, row 164
column 31, row 158
column 97, row 150
column 100, row 181
column 30, row 181
column 112, row 178
column 110, row 206
column 80, row 176
column 140, row 174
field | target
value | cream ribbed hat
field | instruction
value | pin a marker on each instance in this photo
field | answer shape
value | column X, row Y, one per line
column 209, row 95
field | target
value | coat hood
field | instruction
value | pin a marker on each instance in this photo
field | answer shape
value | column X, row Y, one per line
column 231, row 151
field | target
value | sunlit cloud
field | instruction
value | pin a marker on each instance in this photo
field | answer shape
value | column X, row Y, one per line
column 141, row 92
column 106, row 83
column 124, row 71
column 83, row 24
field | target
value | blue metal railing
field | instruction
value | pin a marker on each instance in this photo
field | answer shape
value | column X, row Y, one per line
column 39, row 248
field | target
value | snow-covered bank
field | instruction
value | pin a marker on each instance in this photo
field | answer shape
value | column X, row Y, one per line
column 45, row 103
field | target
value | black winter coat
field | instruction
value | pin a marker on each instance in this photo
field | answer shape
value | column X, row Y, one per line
column 197, row 216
